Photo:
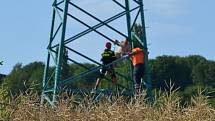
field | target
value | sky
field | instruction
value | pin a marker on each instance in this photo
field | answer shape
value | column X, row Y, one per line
column 174, row 27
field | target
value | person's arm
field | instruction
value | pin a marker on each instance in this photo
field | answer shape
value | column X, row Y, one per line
column 137, row 51
column 117, row 42
column 102, row 59
column 113, row 56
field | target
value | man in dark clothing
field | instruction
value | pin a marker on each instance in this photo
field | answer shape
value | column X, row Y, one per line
column 108, row 56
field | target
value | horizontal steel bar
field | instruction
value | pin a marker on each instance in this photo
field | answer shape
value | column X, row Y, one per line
column 97, row 19
column 59, row 3
column 91, row 69
column 93, row 61
column 83, row 56
column 80, row 21
column 119, row 4
column 96, row 27
column 86, row 73
column 137, row 2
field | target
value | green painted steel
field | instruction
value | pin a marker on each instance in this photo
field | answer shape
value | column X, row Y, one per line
column 128, row 17
column 145, row 48
column 60, row 50
column 52, row 81
column 46, row 69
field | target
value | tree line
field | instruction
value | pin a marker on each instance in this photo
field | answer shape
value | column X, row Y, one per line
column 186, row 73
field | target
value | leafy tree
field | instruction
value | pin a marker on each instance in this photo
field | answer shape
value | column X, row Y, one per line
column 166, row 68
column 2, row 76
column 193, row 60
column 198, row 74
column 138, row 30
column 21, row 79
column 87, row 81
column 210, row 74
column 188, row 73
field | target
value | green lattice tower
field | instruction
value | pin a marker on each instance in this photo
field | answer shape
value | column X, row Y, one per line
column 63, row 10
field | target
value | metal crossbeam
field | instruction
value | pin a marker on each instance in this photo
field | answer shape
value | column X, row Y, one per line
column 117, row 16
column 52, row 80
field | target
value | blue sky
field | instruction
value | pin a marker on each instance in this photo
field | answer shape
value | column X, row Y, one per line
column 176, row 27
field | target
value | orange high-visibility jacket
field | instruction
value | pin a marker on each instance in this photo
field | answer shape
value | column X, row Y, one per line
column 138, row 56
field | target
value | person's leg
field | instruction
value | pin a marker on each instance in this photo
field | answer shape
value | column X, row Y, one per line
column 137, row 78
column 102, row 74
column 118, row 55
column 141, row 75
column 97, row 83
column 113, row 75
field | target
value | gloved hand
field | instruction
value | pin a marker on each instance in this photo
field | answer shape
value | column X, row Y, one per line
column 116, row 42
column 125, row 56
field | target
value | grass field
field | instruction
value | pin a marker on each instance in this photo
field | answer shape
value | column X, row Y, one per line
column 166, row 107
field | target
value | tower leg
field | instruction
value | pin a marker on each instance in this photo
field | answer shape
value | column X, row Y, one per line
column 46, row 69
column 60, row 51
column 147, row 77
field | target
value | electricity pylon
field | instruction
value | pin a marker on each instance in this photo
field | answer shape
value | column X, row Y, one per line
column 63, row 10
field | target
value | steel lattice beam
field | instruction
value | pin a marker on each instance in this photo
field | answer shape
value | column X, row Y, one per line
column 52, row 81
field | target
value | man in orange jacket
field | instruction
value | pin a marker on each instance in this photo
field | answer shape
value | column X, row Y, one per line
column 137, row 58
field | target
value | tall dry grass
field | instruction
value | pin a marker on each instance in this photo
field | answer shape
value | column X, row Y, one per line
column 166, row 107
